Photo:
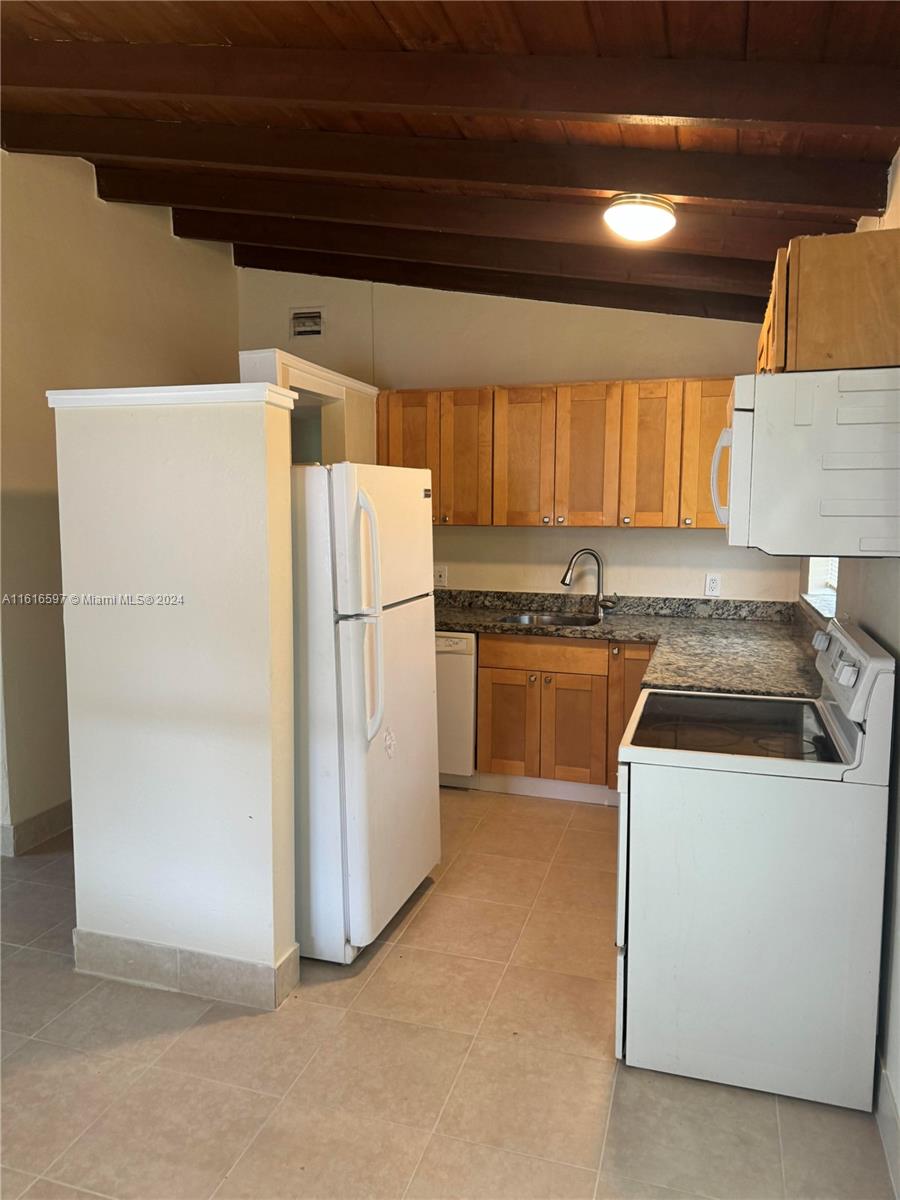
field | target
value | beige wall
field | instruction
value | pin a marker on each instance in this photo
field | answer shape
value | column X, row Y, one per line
column 414, row 337
column 94, row 295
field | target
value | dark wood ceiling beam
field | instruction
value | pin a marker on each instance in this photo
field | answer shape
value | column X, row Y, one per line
column 599, row 263
column 802, row 95
column 808, row 183
column 531, row 220
column 502, row 283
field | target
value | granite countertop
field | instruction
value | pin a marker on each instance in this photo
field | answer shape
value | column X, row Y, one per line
column 693, row 653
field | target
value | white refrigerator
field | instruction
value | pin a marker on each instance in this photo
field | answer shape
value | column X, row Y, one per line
column 366, row 764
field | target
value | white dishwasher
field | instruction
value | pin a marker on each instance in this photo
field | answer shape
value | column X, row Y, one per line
column 456, row 702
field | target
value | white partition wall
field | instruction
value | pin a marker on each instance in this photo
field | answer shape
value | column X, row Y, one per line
column 176, row 554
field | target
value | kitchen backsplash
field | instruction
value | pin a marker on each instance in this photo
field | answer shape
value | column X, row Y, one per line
column 780, row 611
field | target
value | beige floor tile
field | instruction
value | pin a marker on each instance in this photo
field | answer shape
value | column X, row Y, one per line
column 455, row 1170
column 10, row 1043
column 572, row 942
column 589, row 848
column 562, row 1012
column 515, row 837
column 595, row 818
column 316, row 1154
column 470, row 927
column 30, row 909
column 428, row 988
column 169, row 1135
column 384, row 1069
column 57, row 940
column 550, row 812
column 571, row 888
column 694, row 1136
column 48, row 1189
column 523, row 1097
column 611, row 1186
column 265, row 1051
column 462, row 802
column 455, row 833
column 50, row 1095
column 394, row 928
column 13, row 1183
column 60, row 872
column 125, row 1021
column 36, row 987
column 831, row 1153
column 493, row 877
column 337, row 984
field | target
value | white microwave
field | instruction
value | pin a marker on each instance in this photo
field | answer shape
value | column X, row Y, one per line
column 815, row 463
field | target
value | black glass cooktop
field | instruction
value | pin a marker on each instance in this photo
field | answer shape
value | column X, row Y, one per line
column 762, row 728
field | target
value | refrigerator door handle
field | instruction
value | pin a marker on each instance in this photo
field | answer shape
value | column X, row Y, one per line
column 725, row 439
column 373, row 723
column 366, row 505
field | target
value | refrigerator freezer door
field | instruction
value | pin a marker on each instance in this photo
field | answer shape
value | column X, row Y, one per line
column 391, row 803
column 382, row 526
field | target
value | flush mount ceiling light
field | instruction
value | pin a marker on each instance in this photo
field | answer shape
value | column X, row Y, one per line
column 638, row 217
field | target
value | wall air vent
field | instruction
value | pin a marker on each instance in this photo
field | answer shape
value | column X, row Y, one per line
column 307, row 322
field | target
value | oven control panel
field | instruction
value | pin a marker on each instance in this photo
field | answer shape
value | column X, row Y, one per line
column 849, row 662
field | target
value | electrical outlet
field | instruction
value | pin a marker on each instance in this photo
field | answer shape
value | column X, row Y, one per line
column 713, row 585
column 440, row 574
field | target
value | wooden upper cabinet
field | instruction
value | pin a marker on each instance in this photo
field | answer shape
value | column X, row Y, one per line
column 524, row 444
column 651, row 453
column 409, row 431
column 467, row 433
column 705, row 416
column 588, row 428
column 573, row 728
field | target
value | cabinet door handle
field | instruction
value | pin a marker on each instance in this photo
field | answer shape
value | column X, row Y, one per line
column 626, row 520
column 445, row 519
column 532, row 678
column 688, row 521
column 548, row 679
column 560, row 520
column 545, row 520
column 615, row 651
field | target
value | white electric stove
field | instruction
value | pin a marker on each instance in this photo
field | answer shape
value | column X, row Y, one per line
column 751, row 877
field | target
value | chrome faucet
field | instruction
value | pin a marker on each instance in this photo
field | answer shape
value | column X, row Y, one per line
column 566, row 581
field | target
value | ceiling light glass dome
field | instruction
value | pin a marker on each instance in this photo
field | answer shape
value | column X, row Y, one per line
column 639, row 217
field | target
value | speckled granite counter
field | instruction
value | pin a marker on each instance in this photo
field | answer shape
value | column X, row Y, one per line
column 700, row 653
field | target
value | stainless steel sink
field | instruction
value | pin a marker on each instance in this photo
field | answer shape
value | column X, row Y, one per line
column 551, row 619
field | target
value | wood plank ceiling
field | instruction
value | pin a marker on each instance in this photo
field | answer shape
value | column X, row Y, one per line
column 470, row 144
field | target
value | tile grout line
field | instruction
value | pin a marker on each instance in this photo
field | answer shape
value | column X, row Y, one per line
column 612, row 1100
column 484, row 1015
column 784, row 1191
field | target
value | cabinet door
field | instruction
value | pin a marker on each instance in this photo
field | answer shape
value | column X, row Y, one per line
column 524, row 437
column 651, row 453
column 573, row 728
column 627, row 664
column 467, row 433
column 509, row 722
column 588, row 426
column 705, row 416
column 412, row 435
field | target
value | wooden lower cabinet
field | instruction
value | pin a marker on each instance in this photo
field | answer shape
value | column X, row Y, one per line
column 573, row 728
column 627, row 665
column 542, row 708
column 509, row 722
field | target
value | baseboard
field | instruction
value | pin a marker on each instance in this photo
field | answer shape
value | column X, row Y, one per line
column 176, row 969
column 25, row 835
column 521, row 785
column 888, row 1119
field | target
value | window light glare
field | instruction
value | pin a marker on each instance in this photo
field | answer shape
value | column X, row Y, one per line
column 640, row 218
